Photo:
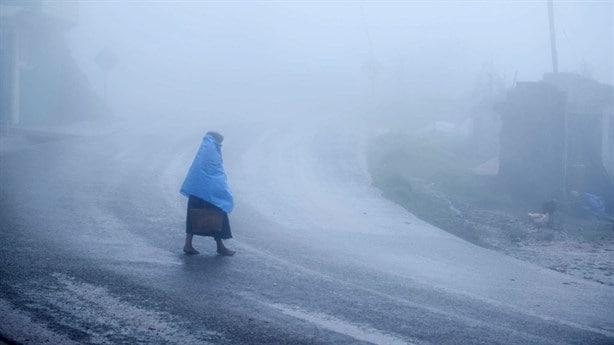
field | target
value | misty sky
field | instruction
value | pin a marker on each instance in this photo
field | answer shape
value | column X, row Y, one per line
column 189, row 57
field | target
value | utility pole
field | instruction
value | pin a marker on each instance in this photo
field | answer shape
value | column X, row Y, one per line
column 371, row 67
column 106, row 60
column 555, row 61
column 555, row 69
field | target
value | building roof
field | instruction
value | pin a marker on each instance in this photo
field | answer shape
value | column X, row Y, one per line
column 583, row 95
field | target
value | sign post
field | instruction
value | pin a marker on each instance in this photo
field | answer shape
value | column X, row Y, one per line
column 106, row 59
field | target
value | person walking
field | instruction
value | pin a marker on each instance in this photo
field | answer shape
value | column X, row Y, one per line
column 206, row 186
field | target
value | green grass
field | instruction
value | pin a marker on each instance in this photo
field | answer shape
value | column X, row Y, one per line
column 397, row 159
column 425, row 174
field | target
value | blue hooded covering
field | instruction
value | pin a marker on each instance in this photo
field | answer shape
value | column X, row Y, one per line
column 206, row 178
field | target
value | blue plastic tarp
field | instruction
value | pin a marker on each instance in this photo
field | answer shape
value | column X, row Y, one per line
column 206, row 178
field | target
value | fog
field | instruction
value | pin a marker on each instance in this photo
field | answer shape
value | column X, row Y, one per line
column 386, row 162
column 307, row 58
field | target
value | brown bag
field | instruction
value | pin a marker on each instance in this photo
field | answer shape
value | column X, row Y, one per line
column 206, row 221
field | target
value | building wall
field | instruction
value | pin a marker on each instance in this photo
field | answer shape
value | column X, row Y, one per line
column 67, row 11
column 9, row 67
column 532, row 141
column 41, row 83
column 608, row 142
column 585, row 151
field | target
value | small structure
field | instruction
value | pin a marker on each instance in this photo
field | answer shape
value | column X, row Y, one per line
column 40, row 82
column 557, row 135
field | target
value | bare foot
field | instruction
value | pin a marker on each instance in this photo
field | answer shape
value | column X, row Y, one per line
column 190, row 251
column 225, row 252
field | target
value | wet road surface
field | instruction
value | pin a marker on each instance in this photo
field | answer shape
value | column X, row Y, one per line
column 92, row 230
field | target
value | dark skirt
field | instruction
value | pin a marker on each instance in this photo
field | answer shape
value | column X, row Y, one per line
column 196, row 202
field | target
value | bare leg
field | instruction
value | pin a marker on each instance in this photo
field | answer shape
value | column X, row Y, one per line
column 221, row 248
column 187, row 247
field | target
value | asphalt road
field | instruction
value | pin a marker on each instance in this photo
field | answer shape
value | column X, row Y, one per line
column 92, row 230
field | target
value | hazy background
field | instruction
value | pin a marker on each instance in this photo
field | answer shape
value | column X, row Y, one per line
column 300, row 58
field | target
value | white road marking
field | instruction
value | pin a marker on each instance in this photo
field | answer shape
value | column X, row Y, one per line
column 359, row 332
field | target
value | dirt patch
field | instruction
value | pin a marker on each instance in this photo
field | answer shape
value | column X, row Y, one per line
column 579, row 246
column 433, row 178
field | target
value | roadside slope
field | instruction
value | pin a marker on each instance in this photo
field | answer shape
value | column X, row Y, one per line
column 312, row 179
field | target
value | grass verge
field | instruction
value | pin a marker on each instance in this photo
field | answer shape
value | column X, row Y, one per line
column 432, row 178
